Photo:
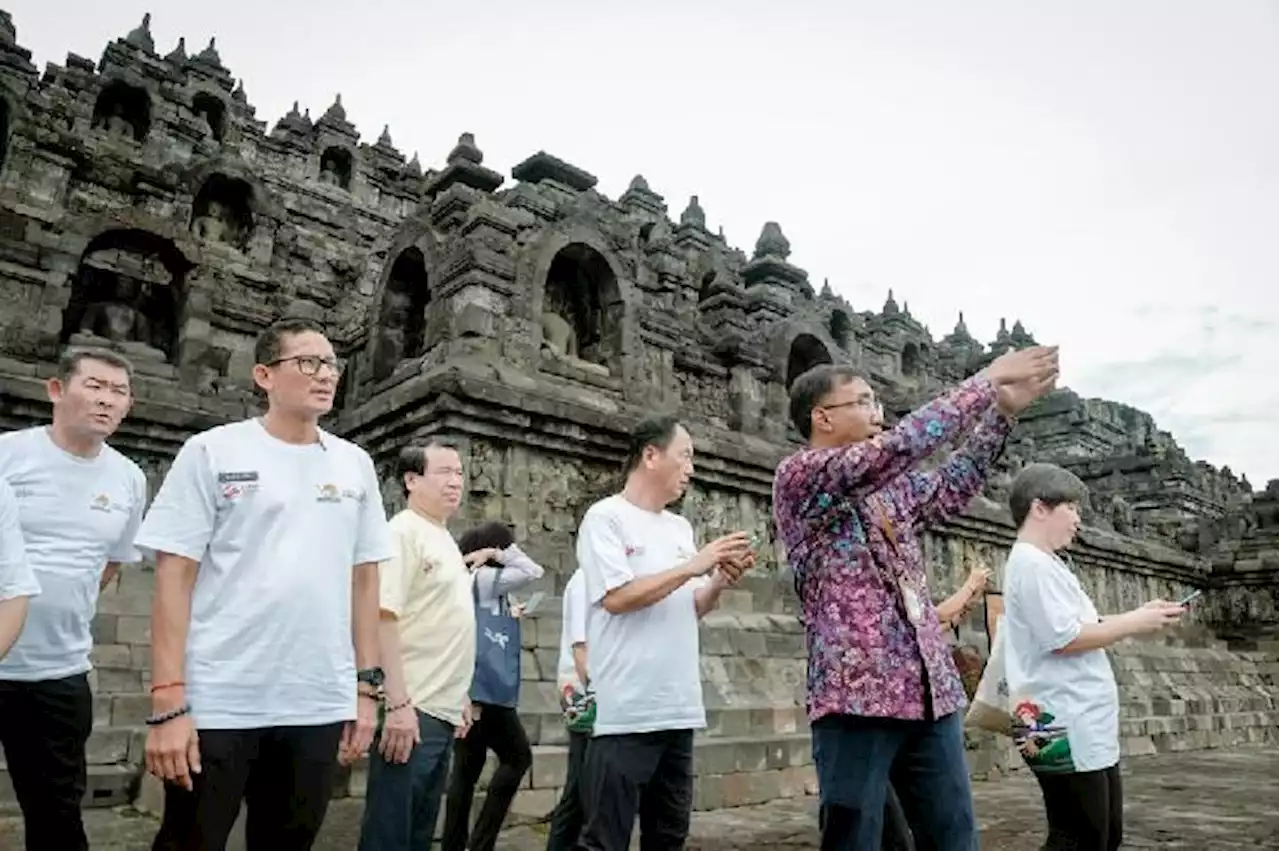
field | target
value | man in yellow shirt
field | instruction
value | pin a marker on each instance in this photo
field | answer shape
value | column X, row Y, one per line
column 428, row 645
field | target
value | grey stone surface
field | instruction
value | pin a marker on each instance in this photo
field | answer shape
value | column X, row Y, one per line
column 144, row 206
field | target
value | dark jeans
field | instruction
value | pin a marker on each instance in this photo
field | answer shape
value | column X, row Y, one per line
column 567, row 818
column 44, row 727
column 644, row 774
column 284, row 776
column 499, row 730
column 857, row 758
column 402, row 802
column 1085, row 810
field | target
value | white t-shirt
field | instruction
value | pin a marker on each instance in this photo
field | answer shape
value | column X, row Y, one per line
column 16, row 577
column 1045, row 609
column 277, row 528
column 573, row 630
column 644, row 664
column 77, row 514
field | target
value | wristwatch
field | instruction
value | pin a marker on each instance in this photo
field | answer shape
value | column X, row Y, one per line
column 371, row 677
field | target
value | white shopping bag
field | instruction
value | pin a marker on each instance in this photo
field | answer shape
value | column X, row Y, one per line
column 990, row 708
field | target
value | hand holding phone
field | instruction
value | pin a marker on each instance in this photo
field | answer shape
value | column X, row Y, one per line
column 1190, row 598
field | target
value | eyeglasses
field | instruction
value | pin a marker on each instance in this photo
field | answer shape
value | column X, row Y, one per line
column 865, row 404
column 310, row 364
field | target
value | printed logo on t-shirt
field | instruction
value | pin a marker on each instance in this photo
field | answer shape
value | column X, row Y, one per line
column 1043, row 742
column 103, row 502
column 328, row 493
column 634, row 550
column 239, row 477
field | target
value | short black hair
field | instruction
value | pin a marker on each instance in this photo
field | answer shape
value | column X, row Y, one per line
column 809, row 388
column 413, row 458
column 71, row 358
column 657, row 431
column 1048, row 483
column 490, row 534
column 270, row 342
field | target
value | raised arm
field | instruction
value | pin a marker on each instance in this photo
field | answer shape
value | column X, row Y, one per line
column 517, row 571
column 858, row 468
column 943, row 493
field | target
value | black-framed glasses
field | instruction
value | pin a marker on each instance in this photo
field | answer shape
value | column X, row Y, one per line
column 868, row 404
column 310, row 364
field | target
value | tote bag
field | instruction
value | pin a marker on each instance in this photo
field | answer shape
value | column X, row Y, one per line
column 497, row 675
column 989, row 709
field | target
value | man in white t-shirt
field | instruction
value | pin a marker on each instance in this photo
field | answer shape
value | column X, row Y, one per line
column 79, row 505
column 428, row 645
column 647, row 585
column 264, row 630
column 1061, row 687
column 17, row 581
column 577, row 702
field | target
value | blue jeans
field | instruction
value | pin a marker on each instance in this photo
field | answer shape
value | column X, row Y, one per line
column 858, row 757
column 402, row 802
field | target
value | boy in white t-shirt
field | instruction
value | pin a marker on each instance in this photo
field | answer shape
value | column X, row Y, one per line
column 1061, row 687
column 578, row 704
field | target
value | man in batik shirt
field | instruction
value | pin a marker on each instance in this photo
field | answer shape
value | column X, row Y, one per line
column 883, row 692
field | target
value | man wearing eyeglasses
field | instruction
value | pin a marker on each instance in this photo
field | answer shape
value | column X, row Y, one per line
column 267, row 534
column 884, row 697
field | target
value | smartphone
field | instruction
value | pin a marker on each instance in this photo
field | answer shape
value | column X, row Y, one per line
column 534, row 600
column 1190, row 598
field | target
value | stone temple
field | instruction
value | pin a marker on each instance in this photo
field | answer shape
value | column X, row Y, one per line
column 532, row 319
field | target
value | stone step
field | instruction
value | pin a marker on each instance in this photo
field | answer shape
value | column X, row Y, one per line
column 108, row 786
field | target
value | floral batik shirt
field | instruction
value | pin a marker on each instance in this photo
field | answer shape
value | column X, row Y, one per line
column 850, row 518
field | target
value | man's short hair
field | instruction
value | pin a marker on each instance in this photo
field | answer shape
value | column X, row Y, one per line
column 1048, row 483
column 71, row 358
column 657, row 431
column 810, row 387
column 413, row 458
column 270, row 342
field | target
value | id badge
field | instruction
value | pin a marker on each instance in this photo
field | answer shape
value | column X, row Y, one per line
column 910, row 599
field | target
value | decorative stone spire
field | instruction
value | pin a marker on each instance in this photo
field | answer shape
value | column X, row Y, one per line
column 8, row 33
column 772, row 243
column 642, row 200
column 693, row 214
column 962, row 330
column 141, row 37
column 1019, row 336
column 465, row 151
column 826, row 289
column 1002, row 336
column 890, row 306
column 293, row 123
column 336, row 112
column 384, row 139
column 179, row 54
column 209, row 56
column 239, row 95
column 906, row 308
column 414, row 166
column 639, row 184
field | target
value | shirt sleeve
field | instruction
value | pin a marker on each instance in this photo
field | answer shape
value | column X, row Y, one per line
column 373, row 539
column 182, row 517
column 395, row 573
column 945, row 492
column 1047, row 603
column 602, row 555
column 16, row 577
column 124, row 551
column 518, row 570
column 575, row 611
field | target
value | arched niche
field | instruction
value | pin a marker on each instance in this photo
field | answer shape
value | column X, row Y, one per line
column 911, row 360
column 336, row 165
column 704, row 286
column 400, row 331
column 582, row 308
column 223, row 210
column 840, row 327
column 212, row 111
column 123, row 109
column 125, row 295
column 807, row 351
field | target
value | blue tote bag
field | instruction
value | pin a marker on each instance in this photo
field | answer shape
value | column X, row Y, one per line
column 497, row 675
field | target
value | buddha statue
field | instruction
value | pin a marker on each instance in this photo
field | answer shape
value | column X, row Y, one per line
column 118, row 321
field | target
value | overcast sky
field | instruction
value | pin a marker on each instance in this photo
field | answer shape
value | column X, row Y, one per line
column 1107, row 172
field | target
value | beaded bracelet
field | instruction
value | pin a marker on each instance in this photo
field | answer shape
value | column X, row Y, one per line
column 401, row 705
column 166, row 717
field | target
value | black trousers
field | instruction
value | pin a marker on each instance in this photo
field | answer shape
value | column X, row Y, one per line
column 649, row 775
column 44, row 727
column 1085, row 810
column 284, row 776
column 499, row 730
column 568, row 816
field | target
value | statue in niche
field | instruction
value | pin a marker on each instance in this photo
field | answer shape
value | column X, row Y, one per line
column 559, row 336
column 118, row 321
column 117, row 123
column 215, row 225
column 329, row 173
column 1122, row 516
column 390, row 346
